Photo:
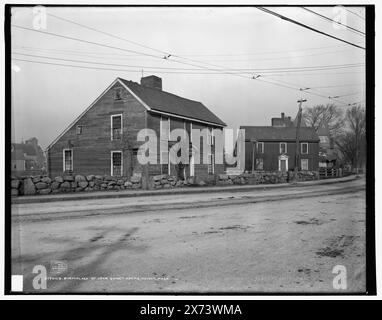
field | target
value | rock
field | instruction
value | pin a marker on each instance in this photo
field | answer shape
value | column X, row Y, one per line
column 47, row 180
column 36, row 179
column 73, row 185
column 55, row 185
column 41, row 185
column 45, row 191
column 108, row 178
column 90, row 177
column 65, row 185
column 110, row 187
column 136, row 185
column 112, row 183
column 120, row 182
column 103, row 185
column 91, row 184
column 56, row 191
column 170, row 178
column 59, row 179
column 69, row 178
column 98, row 177
column 135, row 179
column 159, row 177
column 79, row 178
column 179, row 183
column 128, row 184
column 202, row 183
column 14, row 192
column 15, row 184
column 78, row 189
column 166, row 186
column 223, row 177
column 82, row 184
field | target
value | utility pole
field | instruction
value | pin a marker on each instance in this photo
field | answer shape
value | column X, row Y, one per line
column 299, row 114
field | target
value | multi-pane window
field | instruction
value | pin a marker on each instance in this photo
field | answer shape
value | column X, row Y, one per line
column 116, row 163
column 304, row 148
column 283, row 148
column 68, row 160
column 259, row 164
column 304, row 164
column 260, row 147
column 79, row 130
column 116, row 127
column 118, row 94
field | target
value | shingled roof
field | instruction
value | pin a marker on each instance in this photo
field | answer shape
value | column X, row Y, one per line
column 163, row 101
column 279, row 133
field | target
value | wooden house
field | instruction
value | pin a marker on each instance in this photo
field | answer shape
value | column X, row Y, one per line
column 272, row 148
column 103, row 139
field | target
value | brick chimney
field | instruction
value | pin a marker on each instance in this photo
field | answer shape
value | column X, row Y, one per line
column 282, row 115
column 152, row 82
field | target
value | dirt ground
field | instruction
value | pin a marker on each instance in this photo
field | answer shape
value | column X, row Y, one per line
column 290, row 245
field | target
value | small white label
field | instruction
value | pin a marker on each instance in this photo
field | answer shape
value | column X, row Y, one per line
column 17, row 283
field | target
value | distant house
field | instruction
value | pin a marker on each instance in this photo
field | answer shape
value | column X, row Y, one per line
column 282, row 122
column 273, row 148
column 27, row 156
column 103, row 139
column 17, row 160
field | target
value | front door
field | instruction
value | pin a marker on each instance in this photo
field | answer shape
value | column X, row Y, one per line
column 283, row 165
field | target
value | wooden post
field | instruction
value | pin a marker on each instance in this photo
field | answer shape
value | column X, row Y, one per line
column 299, row 114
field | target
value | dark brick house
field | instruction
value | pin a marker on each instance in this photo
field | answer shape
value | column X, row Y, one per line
column 273, row 148
column 103, row 139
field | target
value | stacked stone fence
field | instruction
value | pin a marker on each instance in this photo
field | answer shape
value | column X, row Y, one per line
column 71, row 183
column 43, row 185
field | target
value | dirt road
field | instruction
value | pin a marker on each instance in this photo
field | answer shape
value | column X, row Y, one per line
column 285, row 240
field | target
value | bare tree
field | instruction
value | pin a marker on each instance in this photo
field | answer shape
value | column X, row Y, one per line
column 325, row 115
column 352, row 142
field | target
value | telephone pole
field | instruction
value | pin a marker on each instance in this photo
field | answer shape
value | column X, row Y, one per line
column 299, row 115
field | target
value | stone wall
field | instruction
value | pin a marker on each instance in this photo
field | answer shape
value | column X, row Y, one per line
column 71, row 183
column 77, row 183
column 264, row 177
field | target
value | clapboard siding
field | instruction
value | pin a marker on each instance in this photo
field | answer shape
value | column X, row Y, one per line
column 272, row 152
column 92, row 149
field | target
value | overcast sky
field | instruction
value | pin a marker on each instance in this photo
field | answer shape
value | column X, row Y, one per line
column 47, row 97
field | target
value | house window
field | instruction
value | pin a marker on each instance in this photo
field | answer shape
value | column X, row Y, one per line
column 259, row 164
column 79, row 130
column 283, row 147
column 116, row 163
column 304, row 164
column 260, row 147
column 68, row 160
column 304, row 148
column 210, row 165
column 116, row 127
column 118, row 94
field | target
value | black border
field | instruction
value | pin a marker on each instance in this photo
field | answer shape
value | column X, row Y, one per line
column 370, row 180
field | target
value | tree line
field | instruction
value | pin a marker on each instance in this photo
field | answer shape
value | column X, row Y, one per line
column 346, row 127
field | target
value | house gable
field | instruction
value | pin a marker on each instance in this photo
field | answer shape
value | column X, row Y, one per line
column 92, row 144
